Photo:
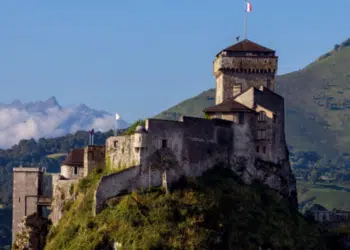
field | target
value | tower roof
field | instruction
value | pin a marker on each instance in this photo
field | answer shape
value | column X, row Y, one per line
column 229, row 105
column 75, row 158
column 247, row 46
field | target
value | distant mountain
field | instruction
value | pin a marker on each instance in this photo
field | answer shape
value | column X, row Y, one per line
column 317, row 104
column 49, row 119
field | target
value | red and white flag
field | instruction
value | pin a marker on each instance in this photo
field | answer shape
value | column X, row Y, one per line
column 249, row 7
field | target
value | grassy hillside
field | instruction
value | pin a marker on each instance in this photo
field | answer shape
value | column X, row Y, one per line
column 329, row 196
column 317, row 104
column 215, row 211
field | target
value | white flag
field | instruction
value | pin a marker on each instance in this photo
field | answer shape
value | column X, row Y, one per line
column 117, row 116
column 249, row 7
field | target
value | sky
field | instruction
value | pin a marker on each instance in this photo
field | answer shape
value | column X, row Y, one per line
column 139, row 58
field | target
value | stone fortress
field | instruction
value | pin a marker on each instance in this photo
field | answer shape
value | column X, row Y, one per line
column 243, row 131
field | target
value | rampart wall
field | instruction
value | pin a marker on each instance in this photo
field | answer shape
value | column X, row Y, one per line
column 188, row 148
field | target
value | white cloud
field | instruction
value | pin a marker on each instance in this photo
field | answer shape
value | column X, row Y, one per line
column 16, row 124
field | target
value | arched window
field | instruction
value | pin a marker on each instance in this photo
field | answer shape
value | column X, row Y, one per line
column 262, row 116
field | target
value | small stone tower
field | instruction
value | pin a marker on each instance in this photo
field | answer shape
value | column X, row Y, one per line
column 27, row 189
column 241, row 66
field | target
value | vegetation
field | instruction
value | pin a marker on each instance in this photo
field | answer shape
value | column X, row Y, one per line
column 216, row 211
column 43, row 153
column 5, row 228
column 133, row 127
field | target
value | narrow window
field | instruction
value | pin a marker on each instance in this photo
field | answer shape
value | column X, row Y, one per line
column 75, row 170
column 261, row 134
column 274, row 136
column 257, row 149
column 264, row 150
column 164, row 143
column 274, row 118
column 262, row 116
column 240, row 117
column 19, row 199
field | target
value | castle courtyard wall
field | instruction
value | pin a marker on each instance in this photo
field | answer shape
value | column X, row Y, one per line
column 62, row 192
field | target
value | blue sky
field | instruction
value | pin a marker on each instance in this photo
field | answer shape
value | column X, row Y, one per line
column 141, row 57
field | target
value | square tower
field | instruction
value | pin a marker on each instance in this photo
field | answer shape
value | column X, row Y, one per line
column 241, row 66
column 27, row 187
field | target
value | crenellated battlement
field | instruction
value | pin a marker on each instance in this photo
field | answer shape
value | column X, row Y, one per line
column 245, row 65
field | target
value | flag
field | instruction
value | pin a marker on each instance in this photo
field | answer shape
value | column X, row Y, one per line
column 249, row 7
column 117, row 116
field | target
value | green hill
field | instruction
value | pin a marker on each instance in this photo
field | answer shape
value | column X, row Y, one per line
column 317, row 104
column 215, row 211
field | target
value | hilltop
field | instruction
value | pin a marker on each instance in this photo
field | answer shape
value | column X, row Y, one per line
column 215, row 211
column 317, row 105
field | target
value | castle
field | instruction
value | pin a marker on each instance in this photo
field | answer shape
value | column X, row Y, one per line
column 243, row 131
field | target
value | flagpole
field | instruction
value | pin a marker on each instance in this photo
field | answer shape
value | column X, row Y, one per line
column 245, row 19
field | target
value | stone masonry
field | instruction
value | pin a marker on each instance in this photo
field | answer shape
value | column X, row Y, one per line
column 27, row 191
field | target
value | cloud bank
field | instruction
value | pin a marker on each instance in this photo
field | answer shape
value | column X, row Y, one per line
column 19, row 123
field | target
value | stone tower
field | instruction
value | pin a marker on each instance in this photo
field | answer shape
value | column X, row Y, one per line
column 27, row 189
column 241, row 66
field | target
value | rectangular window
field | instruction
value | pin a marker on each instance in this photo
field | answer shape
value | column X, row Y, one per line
column 240, row 117
column 164, row 143
column 75, row 170
column 264, row 150
column 274, row 136
column 257, row 149
column 261, row 134
column 19, row 199
column 237, row 89
column 262, row 116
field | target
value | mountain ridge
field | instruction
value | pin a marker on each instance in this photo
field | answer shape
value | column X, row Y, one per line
column 47, row 118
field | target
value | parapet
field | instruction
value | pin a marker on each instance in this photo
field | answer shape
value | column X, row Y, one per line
column 24, row 169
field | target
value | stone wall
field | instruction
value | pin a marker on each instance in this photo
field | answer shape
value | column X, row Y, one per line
column 62, row 192
column 27, row 187
column 252, row 64
column 244, row 72
column 32, row 233
column 121, row 153
column 273, row 105
column 69, row 172
column 94, row 157
column 188, row 148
